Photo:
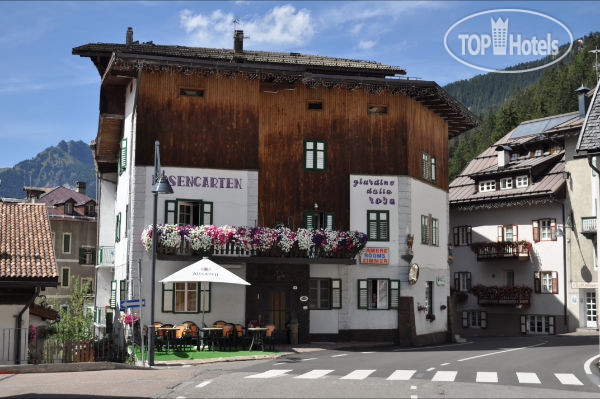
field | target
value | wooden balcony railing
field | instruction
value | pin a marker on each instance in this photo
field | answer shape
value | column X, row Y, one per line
column 588, row 225
column 490, row 296
column 502, row 250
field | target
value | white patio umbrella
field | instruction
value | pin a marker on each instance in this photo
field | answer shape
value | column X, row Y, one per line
column 205, row 270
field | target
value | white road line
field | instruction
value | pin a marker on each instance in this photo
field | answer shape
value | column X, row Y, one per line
column 528, row 378
column 432, row 347
column 358, row 375
column 413, row 387
column 310, row 358
column 413, row 396
column 430, row 369
column 343, row 354
column 444, row 364
column 568, row 379
column 499, row 352
column 402, row 375
column 366, row 353
column 203, row 384
column 586, row 365
column 269, row 374
column 278, row 364
column 485, row 376
column 445, row 376
column 314, row 374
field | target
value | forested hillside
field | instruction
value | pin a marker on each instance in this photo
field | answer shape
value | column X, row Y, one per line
column 552, row 93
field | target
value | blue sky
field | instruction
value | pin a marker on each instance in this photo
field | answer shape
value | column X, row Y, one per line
column 48, row 95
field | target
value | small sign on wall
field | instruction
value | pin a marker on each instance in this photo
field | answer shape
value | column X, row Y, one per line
column 441, row 280
column 379, row 256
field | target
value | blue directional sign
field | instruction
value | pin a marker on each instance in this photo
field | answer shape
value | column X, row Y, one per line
column 132, row 303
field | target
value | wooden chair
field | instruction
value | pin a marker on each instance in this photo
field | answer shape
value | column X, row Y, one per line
column 162, row 335
column 227, row 336
column 180, row 336
column 219, row 323
column 192, row 333
column 240, row 336
column 270, row 337
column 158, row 339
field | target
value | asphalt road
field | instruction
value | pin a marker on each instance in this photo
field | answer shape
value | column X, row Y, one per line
column 543, row 366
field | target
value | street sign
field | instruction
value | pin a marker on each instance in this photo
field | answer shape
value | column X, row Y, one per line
column 132, row 303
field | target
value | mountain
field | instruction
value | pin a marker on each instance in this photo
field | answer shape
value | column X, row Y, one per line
column 551, row 93
column 64, row 164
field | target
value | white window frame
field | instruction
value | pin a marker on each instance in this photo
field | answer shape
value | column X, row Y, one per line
column 474, row 318
column 522, row 181
column 322, row 284
column 315, row 155
column 463, row 235
column 435, row 232
column 185, row 297
column 90, row 209
column 506, row 183
column 537, row 153
column 68, row 208
column 463, row 281
column 545, row 229
column 70, row 243
column 382, row 293
column 429, row 297
column 546, row 282
column 506, row 229
column 487, row 185
column 62, row 269
column 545, row 327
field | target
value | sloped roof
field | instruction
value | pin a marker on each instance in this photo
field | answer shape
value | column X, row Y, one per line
column 59, row 195
column 589, row 138
column 26, row 251
column 541, row 125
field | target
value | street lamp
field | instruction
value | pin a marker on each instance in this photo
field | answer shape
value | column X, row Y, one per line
column 161, row 186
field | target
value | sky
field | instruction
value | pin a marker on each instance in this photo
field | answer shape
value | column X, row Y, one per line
column 48, row 95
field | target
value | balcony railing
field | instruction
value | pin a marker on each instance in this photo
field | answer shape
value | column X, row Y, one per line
column 490, row 296
column 105, row 256
column 502, row 250
column 588, row 225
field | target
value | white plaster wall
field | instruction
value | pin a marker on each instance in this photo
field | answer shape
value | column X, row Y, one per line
column 7, row 329
column 106, row 213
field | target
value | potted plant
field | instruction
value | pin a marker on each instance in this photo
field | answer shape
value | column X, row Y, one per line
column 430, row 317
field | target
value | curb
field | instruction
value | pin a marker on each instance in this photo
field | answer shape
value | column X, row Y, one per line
column 65, row 367
column 197, row 362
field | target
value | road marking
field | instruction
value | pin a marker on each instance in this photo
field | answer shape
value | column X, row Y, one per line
column 430, row 369
column 568, row 379
column 413, row 396
column 432, row 347
column 586, row 365
column 203, row 384
column 444, row 364
column 310, row 358
column 344, row 354
column 365, row 353
column 445, row 376
column 402, row 375
column 269, row 374
column 358, row 375
column 314, row 374
column 528, row 378
column 278, row 364
column 186, row 365
column 413, row 387
column 485, row 376
column 499, row 352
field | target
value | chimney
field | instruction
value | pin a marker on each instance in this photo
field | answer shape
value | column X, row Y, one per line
column 584, row 101
column 503, row 155
column 80, row 187
column 129, row 36
column 238, row 42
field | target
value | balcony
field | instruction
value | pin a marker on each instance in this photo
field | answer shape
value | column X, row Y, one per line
column 502, row 250
column 105, row 257
column 518, row 296
column 588, row 226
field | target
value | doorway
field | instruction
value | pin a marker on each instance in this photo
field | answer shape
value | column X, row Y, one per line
column 590, row 309
column 270, row 303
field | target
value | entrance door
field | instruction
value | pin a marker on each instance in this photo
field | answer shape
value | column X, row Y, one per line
column 276, row 312
column 270, row 302
column 590, row 309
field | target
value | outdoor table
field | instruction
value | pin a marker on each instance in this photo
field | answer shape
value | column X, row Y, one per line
column 258, row 335
column 169, row 331
column 211, row 332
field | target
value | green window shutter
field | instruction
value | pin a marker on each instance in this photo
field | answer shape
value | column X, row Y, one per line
column 321, row 155
column 336, row 293
column 433, row 169
column 363, row 294
column 122, row 290
column 329, row 220
column 309, row 154
column 394, row 294
column 168, row 297
column 424, row 230
column 170, row 211
column 123, row 156
column 126, row 219
column 65, row 277
column 207, row 212
column 378, row 225
column 309, row 219
column 315, row 155
column 82, row 256
column 118, row 228
column 384, row 226
column 93, row 255
column 113, row 294
column 425, row 165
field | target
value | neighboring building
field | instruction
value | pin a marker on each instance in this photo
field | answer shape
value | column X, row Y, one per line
column 507, row 216
column 585, row 185
column 27, row 266
column 73, row 221
column 260, row 138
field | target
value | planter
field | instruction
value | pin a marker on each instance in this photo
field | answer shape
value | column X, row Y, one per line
column 166, row 250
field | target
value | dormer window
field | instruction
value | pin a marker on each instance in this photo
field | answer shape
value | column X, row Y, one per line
column 68, row 208
column 556, row 148
column 514, row 156
column 90, row 210
column 538, row 152
column 506, row 183
column 488, row 185
column 522, row 181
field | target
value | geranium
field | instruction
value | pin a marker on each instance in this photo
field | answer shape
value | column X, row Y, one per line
column 129, row 319
column 243, row 238
column 147, row 238
column 285, row 239
column 199, row 238
column 304, row 239
column 264, row 238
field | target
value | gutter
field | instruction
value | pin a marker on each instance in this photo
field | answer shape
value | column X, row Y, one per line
column 18, row 325
column 564, row 239
column 590, row 162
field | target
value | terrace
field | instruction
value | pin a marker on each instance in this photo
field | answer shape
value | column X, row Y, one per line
column 502, row 250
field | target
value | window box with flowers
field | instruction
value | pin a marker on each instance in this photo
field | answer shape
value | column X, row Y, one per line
column 502, row 250
column 430, row 317
column 500, row 295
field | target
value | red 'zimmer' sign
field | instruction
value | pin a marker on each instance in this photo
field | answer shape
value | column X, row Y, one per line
column 379, row 256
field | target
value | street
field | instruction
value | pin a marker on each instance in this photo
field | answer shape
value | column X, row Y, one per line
column 543, row 366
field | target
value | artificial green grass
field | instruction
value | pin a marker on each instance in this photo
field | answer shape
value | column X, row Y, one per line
column 193, row 353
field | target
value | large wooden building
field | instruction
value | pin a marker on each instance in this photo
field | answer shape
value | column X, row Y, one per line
column 262, row 138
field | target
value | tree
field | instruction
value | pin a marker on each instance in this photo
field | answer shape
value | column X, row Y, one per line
column 75, row 321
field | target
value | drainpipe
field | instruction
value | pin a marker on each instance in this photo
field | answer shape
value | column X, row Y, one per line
column 565, row 314
column 595, row 169
column 18, row 326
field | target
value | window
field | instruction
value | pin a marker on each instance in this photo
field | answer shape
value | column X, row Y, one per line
column 53, row 239
column 433, row 169
column 544, row 230
column 87, row 256
column 538, row 152
column 123, row 156
column 424, row 229
column 429, row 297
column 522, row 181
column 87, row 282
column 506, row 183
column 66, row 248
column 315, row 154
column 64, row 276
column 64, row 308
column 546, row 282
column 118, row 228
column 113, row 294
column 377, row 109
column 68, row 208
column 435, row 232
column 462, row 281
column 126, row 220
column 318, row 220
column 325, row 293
column 191, row 92
column 425, row 165
column 186, row 297
column 378, row 294
column 488, row 185
column 556, row 148
column 122, row 290
column 378, row 225
column 462, row 235
column 474, row 319
column 315, row 105
column 537, row 324
column 430, row 230
column 595, row 249
column 514, row 156
column 508, row 232
column 510, row 278
column 90, row 209
column 194, row 212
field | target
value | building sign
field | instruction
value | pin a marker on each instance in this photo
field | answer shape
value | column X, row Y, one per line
column 378, row 190
column 441, row 280
column 204, row 181
column 582, row 284
column 380, row 256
